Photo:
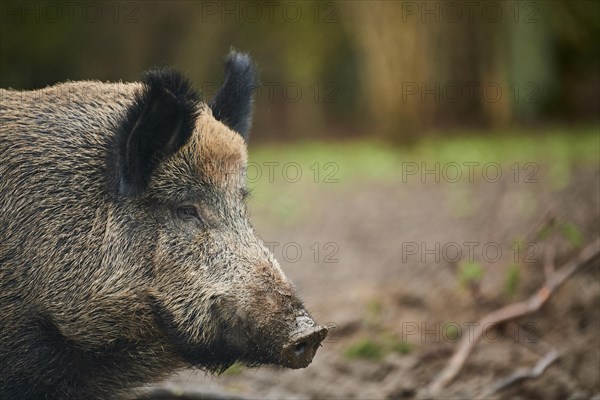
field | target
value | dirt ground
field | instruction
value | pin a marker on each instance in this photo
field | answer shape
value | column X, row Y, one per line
column 397, row 315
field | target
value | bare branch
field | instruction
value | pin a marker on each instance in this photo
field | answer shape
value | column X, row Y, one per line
column 524, row 373
column 533, row 304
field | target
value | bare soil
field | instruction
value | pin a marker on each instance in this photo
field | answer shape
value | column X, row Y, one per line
column 375, row 291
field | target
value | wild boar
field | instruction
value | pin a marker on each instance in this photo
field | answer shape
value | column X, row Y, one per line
column 126, row 251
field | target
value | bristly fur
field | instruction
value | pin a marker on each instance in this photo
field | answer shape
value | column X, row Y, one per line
column 100, row 292
column 159, row 121
column 233, row 103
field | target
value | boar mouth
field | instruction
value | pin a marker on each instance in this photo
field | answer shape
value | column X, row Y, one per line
column 237, row 344
column 218, row 354
column 214, row 357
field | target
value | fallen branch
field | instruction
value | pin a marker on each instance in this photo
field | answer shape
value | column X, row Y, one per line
column 524, row 373
column 533, row 304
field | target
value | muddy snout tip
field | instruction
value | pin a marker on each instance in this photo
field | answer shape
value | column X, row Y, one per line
column 300, row 352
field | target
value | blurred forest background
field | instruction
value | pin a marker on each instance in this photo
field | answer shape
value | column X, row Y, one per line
column 383, row 127
column 393, row 69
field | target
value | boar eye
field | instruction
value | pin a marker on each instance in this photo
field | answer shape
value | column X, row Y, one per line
column 187, row 213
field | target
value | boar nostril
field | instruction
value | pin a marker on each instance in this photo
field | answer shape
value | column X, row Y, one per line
column 300, row 352
column 300, row 348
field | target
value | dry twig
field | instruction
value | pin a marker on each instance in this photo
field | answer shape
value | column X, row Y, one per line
column 524, row 373
column 512, row 311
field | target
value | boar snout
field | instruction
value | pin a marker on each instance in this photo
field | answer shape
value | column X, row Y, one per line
column 306, row 339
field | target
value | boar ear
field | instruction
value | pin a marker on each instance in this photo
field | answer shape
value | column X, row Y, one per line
column 159, row 121
column 232, row 105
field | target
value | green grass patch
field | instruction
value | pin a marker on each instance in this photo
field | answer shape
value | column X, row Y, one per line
column 403, row 348
column 286, row 178
column 365, row 349
column 572, row 234
column 512, row 280
column 376, row 348
column 451, row 332
column 344, row 162
column 469, row 273
column 392, row 343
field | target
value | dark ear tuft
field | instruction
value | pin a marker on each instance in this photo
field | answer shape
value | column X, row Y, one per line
column 159, row 121
column 232, row 104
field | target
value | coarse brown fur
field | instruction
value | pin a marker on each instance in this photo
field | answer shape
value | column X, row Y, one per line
column 104, row 290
